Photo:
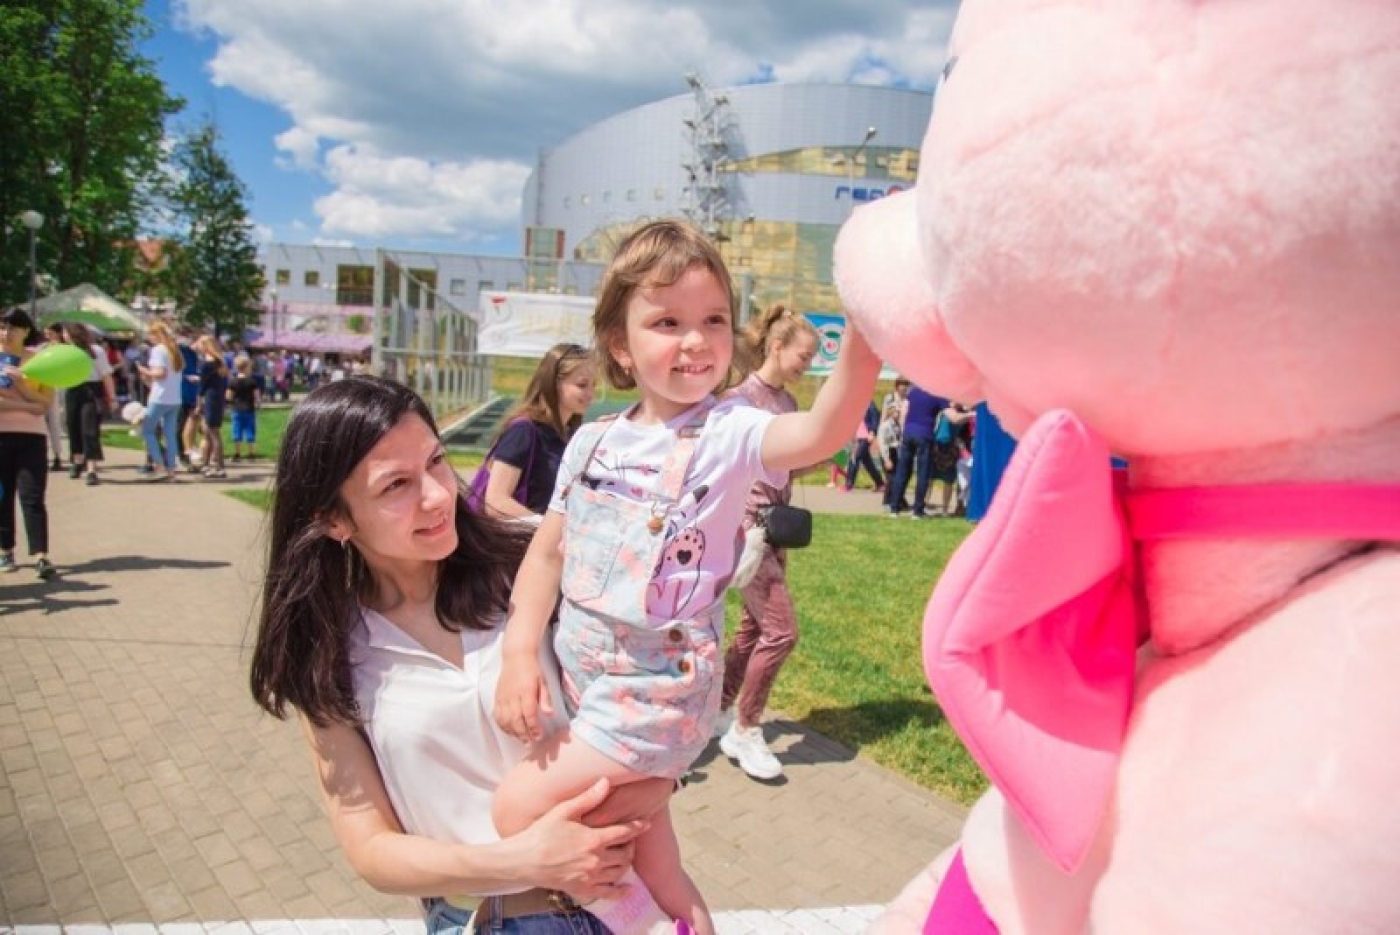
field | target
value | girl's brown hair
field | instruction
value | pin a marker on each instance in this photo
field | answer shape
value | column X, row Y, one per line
column 541, row 400
column 658, row 253
column 774, row 329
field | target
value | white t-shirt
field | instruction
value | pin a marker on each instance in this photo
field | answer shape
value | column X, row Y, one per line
column 166, row 390
column 702, row 536
column 100, row 366
column 431, row 728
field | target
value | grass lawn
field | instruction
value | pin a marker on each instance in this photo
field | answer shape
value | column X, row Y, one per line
column 272, row 422
column 857, row 673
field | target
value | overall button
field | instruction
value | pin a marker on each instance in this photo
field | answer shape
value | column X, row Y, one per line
column 675, row 635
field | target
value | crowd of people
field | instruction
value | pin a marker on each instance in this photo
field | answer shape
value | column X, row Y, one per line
column 177, row 386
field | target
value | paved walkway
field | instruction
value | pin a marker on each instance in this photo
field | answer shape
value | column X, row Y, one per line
column 140, row 787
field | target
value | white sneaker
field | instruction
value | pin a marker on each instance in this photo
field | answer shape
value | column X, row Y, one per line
column 746, row 745
column 723, row 723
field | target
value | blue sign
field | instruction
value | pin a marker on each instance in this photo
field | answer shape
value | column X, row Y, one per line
column 865, row 193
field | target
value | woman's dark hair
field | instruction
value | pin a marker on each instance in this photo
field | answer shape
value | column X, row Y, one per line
column 17, row 317
column 314, row 585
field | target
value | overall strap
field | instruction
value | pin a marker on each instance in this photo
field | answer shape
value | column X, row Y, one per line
column 672, row 479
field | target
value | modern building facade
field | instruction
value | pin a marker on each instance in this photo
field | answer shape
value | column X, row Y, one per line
column 771, row 171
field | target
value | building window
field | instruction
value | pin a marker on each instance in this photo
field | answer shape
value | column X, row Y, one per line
column 484, row 285
column 607, row 197
column 585, row 200
column 311, row 277
column 659, row 193
column 354, row 285
column 631, row 194
column 284, row 277
column 457, row 287
column 568, row 202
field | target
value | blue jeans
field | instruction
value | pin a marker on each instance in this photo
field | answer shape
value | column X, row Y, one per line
column 443, row 919
column 913, row 459
column 167, row 417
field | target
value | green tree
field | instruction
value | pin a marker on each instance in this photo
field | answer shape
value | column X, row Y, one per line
column 83, row 114
column 214, row 267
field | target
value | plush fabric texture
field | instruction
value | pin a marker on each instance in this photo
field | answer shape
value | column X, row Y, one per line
column 1180, row 221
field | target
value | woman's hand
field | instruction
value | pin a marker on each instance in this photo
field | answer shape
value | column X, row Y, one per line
column 522, row 695
column 584, row 862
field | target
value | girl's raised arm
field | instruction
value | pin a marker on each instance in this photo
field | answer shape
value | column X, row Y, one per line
column 798, row 439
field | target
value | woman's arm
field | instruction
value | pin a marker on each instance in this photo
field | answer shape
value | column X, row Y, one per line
column 798, row 439
column 500, row 490
column 28, row 396
column 522, row 692
column 557, row 852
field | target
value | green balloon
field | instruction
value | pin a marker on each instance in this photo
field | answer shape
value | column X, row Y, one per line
column 59, row 366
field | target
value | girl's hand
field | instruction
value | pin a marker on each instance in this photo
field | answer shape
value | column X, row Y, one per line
column 522, row 694
column 584, row 862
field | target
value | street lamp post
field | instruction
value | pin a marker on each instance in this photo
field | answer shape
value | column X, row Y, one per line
column 33, row 220
column 272, row 294
column 851, row 166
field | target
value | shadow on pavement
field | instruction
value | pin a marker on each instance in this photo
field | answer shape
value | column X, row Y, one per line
column 137, row 563
column 870, row 721
column 48, row 597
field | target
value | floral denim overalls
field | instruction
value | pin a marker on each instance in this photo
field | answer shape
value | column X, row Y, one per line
column 643, row 695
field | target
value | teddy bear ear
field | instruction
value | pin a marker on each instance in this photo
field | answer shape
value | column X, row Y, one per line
column 885, row 287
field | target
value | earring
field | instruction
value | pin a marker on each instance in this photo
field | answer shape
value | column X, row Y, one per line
column 349, row 563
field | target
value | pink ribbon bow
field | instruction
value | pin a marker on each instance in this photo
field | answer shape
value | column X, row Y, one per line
column 1031, row 636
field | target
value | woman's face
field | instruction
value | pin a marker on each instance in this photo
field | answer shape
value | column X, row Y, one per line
column 13, row 336
column 401, row 499
column 576, row 390
column 792, row 359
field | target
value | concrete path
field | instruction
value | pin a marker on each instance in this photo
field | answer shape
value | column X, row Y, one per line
column 141, row 788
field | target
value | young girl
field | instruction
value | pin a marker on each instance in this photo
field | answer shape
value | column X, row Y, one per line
column 642, row 535
column 163, row 374
column 213, row 386
column 528, row 450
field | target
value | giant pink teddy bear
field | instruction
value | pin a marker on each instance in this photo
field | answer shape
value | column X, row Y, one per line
column 1167, row 230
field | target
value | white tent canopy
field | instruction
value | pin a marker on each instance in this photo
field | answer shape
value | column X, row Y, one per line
column 91, row 306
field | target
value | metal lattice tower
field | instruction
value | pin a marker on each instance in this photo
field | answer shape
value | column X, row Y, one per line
column 707, row 201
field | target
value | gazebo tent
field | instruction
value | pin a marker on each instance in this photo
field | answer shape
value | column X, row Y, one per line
column 91, row 306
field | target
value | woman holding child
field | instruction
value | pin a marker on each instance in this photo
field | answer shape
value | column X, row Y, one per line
column 380, row 627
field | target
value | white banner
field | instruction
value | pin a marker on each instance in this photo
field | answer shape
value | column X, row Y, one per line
column 527, row 324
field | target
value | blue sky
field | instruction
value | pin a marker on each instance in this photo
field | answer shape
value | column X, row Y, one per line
column 414, row 123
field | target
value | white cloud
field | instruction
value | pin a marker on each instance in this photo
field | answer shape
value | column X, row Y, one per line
column 425, row 115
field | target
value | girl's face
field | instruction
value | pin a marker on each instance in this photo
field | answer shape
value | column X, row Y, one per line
column 678, row 343
column 401, row 499
column 576, row 390
column 791, row 360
